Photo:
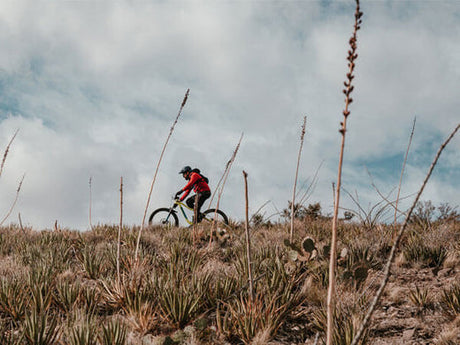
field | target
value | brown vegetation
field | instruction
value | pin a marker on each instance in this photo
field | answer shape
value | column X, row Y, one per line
column 61, row 287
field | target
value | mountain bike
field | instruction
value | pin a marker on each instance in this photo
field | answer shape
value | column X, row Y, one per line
column 168, row 217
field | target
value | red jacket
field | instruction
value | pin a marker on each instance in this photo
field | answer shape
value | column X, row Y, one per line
column 197, row 183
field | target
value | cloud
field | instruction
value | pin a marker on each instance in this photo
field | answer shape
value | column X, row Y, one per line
column 94, row 88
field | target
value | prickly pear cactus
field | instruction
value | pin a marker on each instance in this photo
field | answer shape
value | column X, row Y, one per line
column 360, row 273
column 308, row 245
column 304, row 253
column 293, row 255
column 356, row 276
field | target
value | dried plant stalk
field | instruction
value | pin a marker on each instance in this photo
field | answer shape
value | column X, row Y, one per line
column 248, row 238
column 311, row 186
column 302, row 135
column 352, row 55
column 387, row 270
column 223, row 180
column 224, row 176
column 120, row 227
column 90, row 202
column 402, row 171
column 20, row 222
column 14, row 202
column 6, row 152
column 156, row 172
column 195, row 218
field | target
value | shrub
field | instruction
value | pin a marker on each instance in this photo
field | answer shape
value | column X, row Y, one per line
column 450, row 300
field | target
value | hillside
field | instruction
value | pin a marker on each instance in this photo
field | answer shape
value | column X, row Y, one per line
column 61, row 287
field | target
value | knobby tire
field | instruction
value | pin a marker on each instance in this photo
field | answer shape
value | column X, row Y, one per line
column 160, row 214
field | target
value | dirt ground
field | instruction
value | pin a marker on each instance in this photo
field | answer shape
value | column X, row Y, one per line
column 399, row 321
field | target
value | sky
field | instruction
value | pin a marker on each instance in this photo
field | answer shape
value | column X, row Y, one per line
column 94, row 87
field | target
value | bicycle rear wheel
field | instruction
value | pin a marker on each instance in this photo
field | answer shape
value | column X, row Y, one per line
column 163, row 217
column 218, row 215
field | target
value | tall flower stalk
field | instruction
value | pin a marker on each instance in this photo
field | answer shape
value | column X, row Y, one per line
column 302, row 135
column 120, row 228
column 248, row 238
column 221, row 185
column 352, row 56
column 6, row 152
column 156, row 172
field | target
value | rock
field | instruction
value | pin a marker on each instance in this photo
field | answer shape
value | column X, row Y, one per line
column 190, row 330
column 159, row 340
column 444, row 272
column 201, row 324
column 179, row 336
column 408, row 334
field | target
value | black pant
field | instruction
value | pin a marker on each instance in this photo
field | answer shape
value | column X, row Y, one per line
column 202, row 196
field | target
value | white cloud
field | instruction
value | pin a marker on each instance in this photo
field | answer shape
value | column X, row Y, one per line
column 94, row 88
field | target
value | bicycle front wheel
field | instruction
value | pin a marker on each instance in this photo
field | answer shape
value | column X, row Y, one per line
column 163, row 217
column 218, row 215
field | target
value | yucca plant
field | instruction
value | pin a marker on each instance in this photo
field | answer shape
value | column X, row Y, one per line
column 14, row 299
column 416, row 251
column 249, row 316
column 220, row 289
column 41, row 272
column 276, row 299
column 259, row 256
column 112, row 294
column 320, row 273
column 41, row 294
column 420, row 297
column 179, row 301
column 8, row 335
column 346, row 323
column 84, row 333
column 182, row 260
column 40, row 328
column 143, row 317
column 91, row 299
column 113, row 333
column 91, row 262
column 30, row 253
column 362, row 255
column 450, row 300
column 67, row 295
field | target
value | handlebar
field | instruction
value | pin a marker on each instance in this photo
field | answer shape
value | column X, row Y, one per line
column 177, row 202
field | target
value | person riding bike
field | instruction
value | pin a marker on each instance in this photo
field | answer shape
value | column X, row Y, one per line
column 199, row 185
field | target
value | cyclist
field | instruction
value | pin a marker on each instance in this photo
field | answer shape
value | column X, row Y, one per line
column 199, row 185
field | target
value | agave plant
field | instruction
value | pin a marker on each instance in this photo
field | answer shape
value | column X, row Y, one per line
column 179, row 302
column 92, row 263
column 40, row 328
column 67, row 295
column 113, row 333
column 346, row 323
column 418, row 251
column 91, row 299
column 143, row 317
column 14, row 299
column 420, row 297
column 248, row 316
column 7, row 334
column 220, row 289
column 450, row 300
column 84, row 333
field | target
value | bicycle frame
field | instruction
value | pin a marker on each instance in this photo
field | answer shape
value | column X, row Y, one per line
column 181, row 206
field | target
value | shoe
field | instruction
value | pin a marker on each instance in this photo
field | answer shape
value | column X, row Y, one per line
column 201, row 216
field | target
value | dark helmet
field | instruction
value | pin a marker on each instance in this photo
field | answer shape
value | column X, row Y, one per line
column 185, row 169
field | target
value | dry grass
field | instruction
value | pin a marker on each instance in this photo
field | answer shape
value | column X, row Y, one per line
column 176, row 286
